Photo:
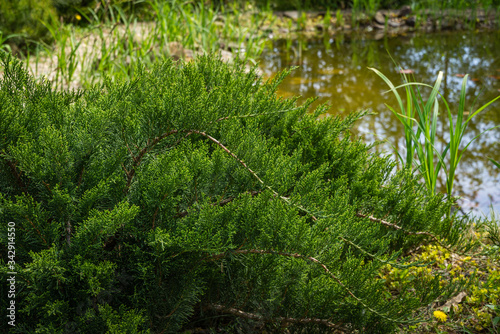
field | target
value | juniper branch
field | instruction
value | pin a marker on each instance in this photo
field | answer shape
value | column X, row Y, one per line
column 285, row 199
column 17, row 175
column 37, row 230
column 393, row 264
column 325, row 268
column 253, row 115
column 397, row 227
column 220, row 203
column 68, row 232
column 253, row 316
column 150, row 145
column 138, row 158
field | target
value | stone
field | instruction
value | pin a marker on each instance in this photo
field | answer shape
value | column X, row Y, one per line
column 226, row 55
column 176, row 50
column 291, row 14
column 411, row 21
column 380, row 17
column 405, row 11
column 395, row 23
column 234, row 47
column 380, row 34
column 266, row 28
column 447, row 24
column 188, row 54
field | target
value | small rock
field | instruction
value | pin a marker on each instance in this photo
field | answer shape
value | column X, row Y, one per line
column 379, row 34
column 405, row 11
column 411, row 21
column 226, row 55
column 188, row 54
column 291, row 14
column 266, row 28
column 234, row 47
column 395, row 23
column 316, row 14
column 380, row 17
column 176, row 50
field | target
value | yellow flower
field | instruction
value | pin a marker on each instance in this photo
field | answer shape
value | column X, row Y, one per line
column 441, row 316
column 78, row 17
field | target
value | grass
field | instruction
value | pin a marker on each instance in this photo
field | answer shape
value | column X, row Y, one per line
column 474, row 260
column 339, row 22
column 113, row 40
column 3, row 41
column 495, row 163
column 110, row 47
column 420, row 119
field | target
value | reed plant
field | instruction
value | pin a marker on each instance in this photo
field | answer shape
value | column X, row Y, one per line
column 327, row 20
column 339, row 19
column 495, row 163
column 3, row 41
column 355, row 12
column 420, row 119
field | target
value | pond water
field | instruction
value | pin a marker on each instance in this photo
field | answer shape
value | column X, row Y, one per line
column 334, row 68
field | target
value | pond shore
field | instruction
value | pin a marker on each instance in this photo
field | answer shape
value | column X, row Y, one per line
column 82, row 54
column 380, row 23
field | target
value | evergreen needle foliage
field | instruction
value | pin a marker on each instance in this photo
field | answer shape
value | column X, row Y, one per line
column 193, row 195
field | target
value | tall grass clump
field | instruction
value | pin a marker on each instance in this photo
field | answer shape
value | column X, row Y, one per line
column 111, row 45
column 419, row 115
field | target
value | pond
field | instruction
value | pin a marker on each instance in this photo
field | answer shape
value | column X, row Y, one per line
column 334, row 68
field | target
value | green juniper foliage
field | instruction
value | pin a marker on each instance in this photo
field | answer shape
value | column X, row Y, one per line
column 194, row 196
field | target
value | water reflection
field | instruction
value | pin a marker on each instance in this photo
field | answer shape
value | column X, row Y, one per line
column 334, row 69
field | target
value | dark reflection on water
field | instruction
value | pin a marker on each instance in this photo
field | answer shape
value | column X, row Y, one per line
column 334, row 69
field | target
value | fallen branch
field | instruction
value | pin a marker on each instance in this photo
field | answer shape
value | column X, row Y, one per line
column 312, row 259
column 295, row 255
column 253, row 316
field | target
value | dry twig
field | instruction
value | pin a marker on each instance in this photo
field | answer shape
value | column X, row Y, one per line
column 253, row 316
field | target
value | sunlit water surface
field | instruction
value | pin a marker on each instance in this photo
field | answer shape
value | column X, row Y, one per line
column 335, row 70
